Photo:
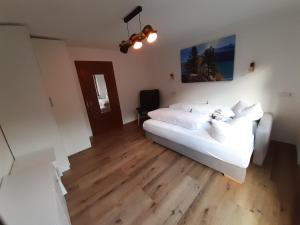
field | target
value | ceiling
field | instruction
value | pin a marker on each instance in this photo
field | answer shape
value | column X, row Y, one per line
column 98, row 23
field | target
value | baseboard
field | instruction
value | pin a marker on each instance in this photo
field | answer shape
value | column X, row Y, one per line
column 92, row 140
column 233, row 179
column 61, row 166
column 130, row 121
column 64, row 168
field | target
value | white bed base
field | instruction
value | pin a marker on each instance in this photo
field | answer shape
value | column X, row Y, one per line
column 234, row 172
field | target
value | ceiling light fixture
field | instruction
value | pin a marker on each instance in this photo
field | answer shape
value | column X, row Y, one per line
column 150, row 33
column 138, row 45
column 135, row 40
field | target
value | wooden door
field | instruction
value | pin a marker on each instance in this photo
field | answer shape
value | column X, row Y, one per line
column 100, row 94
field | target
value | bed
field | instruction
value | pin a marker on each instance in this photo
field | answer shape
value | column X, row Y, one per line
column 231, row 160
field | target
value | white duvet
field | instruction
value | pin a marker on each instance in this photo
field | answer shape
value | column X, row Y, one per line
column 193, row 121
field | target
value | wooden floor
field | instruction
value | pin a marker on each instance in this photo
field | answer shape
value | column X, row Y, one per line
column 127, row 179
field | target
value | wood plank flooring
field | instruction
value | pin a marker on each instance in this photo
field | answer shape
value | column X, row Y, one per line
column 127, row 179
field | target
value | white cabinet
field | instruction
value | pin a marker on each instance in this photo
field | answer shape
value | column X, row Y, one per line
column 57, row 72
column 32, row 194
column 26, row 116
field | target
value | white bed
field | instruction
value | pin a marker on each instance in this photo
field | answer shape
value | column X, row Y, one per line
column 238, row 153
column 231, row 159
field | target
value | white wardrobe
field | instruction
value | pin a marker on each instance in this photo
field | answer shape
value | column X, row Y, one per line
column 31, row 193
column 34, row 72
column 61, row 83
column 43, row 119
column 25, row 113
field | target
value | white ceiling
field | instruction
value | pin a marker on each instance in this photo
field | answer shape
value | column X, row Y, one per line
column 98, row 23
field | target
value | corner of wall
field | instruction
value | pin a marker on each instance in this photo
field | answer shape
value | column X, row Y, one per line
column 62, row 166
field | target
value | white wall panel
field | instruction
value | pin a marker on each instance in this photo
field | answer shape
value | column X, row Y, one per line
column 57, row 72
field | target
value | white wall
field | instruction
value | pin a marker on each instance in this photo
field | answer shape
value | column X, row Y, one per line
column 57, row 72
column 6, row 158
column 273, row 43
column 131, row 74
column 25, row 112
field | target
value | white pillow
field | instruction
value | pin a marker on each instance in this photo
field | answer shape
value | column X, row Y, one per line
column 252, row 113
column 227, row 112
column 223, row 114
column 203, row 108
column 229, row 132
column 242, row 125
column 183, row 119
column 239, row 107
column 210, row 109
column 182, row 106
column 222, row 132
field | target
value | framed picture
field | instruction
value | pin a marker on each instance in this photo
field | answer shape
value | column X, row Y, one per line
column 211, row 61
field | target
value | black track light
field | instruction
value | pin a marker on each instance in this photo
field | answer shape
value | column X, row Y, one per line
column 124, row 46
column 135, row 40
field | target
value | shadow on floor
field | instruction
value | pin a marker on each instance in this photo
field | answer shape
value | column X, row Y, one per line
column 285, row 174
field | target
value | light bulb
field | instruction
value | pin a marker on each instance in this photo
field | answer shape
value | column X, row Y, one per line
column 137, row 45
column 152, row 37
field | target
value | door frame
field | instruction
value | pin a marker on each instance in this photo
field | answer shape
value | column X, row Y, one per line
column 89, row 68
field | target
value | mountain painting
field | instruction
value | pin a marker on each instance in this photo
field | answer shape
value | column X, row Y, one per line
column 212, row 61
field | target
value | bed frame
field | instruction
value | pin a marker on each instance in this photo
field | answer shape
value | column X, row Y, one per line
column 238, row 174
column 232, row 171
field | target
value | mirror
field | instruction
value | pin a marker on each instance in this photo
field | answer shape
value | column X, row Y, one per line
column 100, row 86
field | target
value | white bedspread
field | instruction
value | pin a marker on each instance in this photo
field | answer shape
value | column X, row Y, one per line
column 237, row 153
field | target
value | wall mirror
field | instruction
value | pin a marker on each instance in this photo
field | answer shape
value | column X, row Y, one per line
column 101, row 89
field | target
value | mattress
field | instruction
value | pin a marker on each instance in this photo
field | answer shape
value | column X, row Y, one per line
column 237, row 153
